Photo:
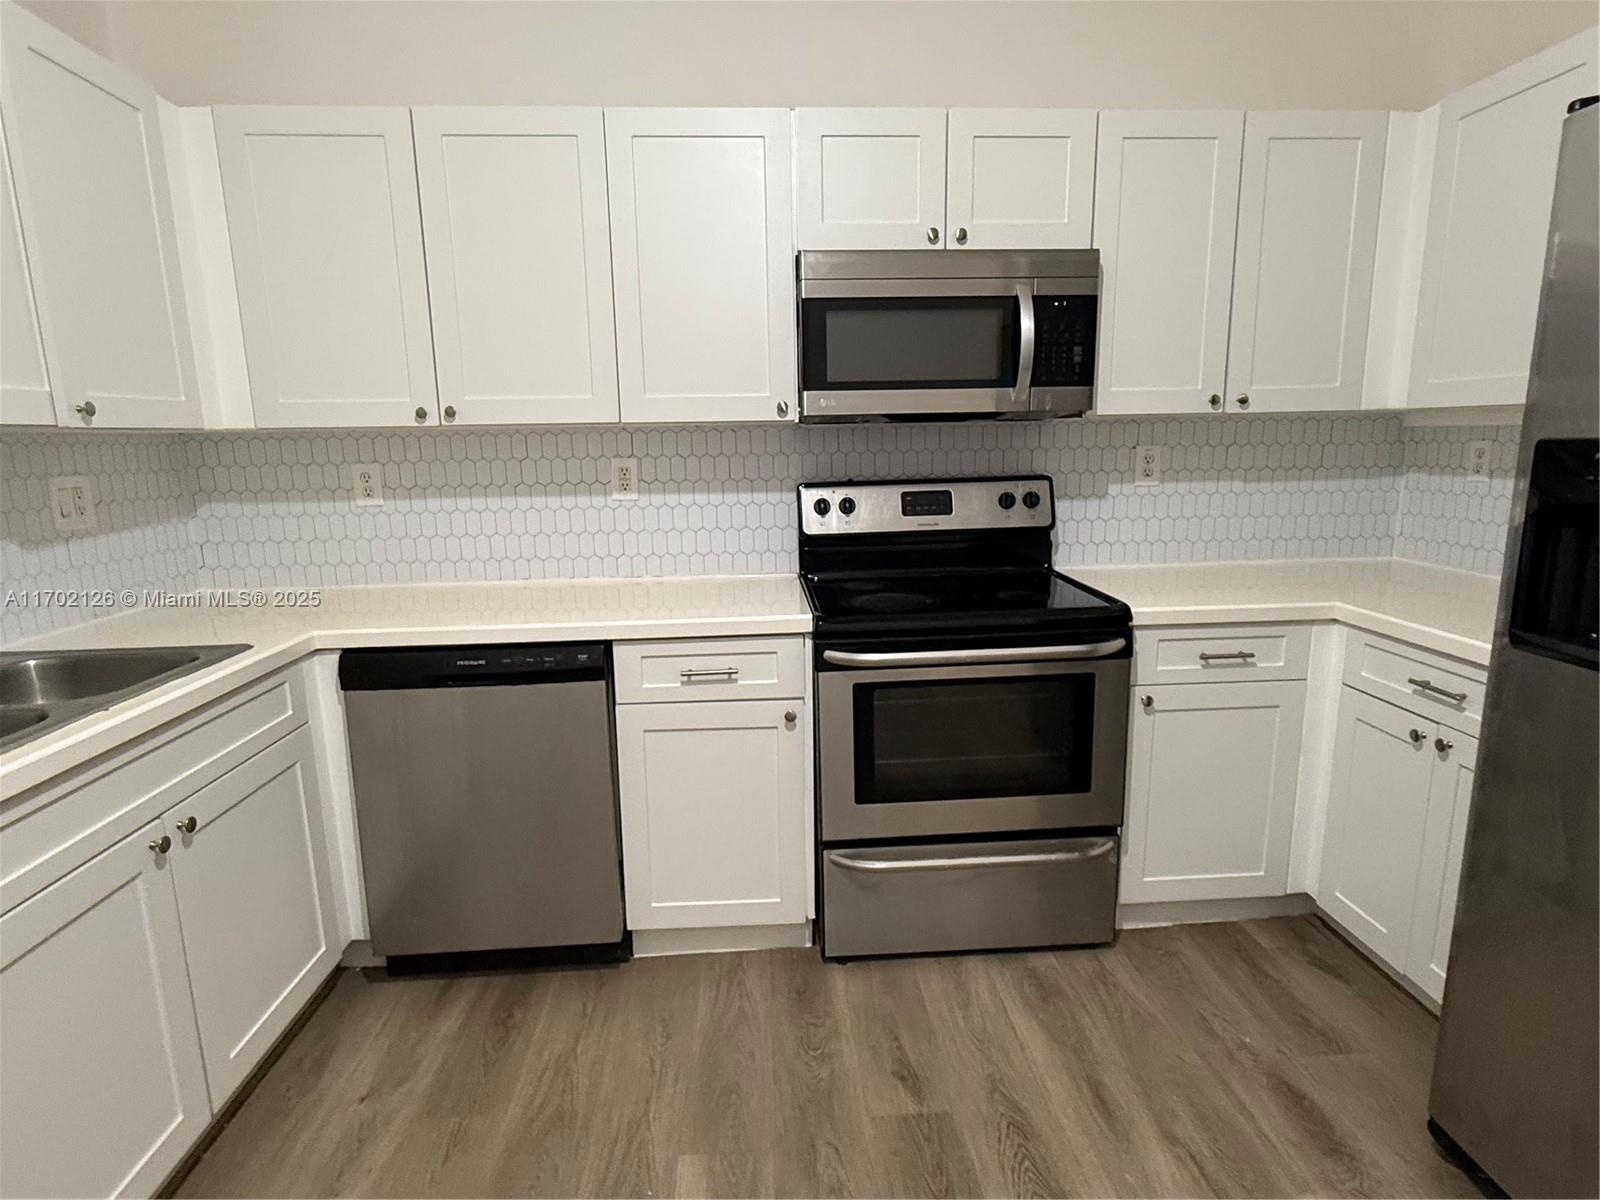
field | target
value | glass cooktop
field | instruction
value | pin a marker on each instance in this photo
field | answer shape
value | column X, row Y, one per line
column 965, row 599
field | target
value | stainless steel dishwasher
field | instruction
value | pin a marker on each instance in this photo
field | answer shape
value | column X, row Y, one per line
column 486, row 799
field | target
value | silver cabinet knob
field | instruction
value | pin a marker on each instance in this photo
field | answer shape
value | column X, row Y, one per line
column 188, row 825
column 783, row 408
column 421, row 414
column 1442, row 746
column 161, row 844
column 1216, row 400
column 1147, row 701
column 789, row 717
column 449, row 412
column 933, row 235
column 86, row 410
column 1244, row 401
column 961, row 236
column 1418, row 737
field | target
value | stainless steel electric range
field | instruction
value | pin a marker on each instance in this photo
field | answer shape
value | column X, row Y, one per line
column 972, row 720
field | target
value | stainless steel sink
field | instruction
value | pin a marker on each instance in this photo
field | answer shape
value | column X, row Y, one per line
column 43, row 690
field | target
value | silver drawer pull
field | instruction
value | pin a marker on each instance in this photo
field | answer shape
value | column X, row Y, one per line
column 987, row 654
column 697, row 674
column 1432, row 688
column 1099, row 850
column 1227, row 655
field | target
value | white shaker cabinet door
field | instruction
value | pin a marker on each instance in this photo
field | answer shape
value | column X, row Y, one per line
column 94, row 208
column 1020, row 178
column 257, row 906
column 1377, row 817
column 1213, row 773
column 102, row 1091
column 702, row 248
column 518, row 244
column 25, row 397
column 1455, row 760
column 714, row 813
column 1302, row 279
column 327, row 250
column 871, row 178
column 1494, row 172
column 1165, row 202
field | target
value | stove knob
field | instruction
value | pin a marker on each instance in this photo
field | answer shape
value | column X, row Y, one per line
column 821, row 507
column 1008, row 500
column 847, row 506
column 1030, row 499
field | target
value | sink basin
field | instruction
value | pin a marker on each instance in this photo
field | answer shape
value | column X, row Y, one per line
column 44, row 689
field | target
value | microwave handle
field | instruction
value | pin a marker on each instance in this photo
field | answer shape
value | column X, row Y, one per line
column 1020, row 394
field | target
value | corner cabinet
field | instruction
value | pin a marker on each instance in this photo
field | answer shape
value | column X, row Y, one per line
column 702, row 253
column 327, row 249
column 93, row 209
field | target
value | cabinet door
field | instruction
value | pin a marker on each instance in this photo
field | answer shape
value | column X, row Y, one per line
column 257, row 904
column 25, row 397
column 102, row 1091
column 1377, row 815
column 1302, row 277
column 871, row 178
column 703, row 254
column 519, row 263
column 95, row 212
column 1166, row 197
column 327, row 250
column 713, row 813
column 1439, row 877
column 1020, row 178
column 1494, row 172
column 1212, row 780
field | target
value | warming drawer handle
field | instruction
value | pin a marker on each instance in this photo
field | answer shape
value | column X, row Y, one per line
column 1099, row 850
column 987, row 654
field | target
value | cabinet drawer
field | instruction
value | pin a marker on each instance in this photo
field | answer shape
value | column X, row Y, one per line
column 1435, row 687
column 1220, row 653
column 50, row 830
column 717, row 669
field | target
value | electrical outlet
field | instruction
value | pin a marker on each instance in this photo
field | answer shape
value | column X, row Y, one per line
column 1146, row 464
column 73, row 503
column 1478, row 458
column 366, row 484
column 624, row 479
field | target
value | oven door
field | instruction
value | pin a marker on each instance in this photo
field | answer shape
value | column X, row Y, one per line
column 943, row 743
column 915, row 347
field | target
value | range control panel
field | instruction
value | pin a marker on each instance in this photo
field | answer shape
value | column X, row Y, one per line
column 1023, row 502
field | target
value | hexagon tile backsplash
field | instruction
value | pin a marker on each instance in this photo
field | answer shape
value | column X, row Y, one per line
column 243, row 509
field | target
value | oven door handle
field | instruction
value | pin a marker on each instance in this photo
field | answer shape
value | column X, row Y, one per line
column 1025, row 340
column 963, row 658
column 1099, row 850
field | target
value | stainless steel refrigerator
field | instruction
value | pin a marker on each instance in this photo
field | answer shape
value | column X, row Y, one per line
column 1515, row 1083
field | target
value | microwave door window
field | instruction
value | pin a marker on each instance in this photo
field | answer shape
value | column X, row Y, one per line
column 937, row 342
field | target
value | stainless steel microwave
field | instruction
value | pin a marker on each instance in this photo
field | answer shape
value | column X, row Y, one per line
column 940, row 334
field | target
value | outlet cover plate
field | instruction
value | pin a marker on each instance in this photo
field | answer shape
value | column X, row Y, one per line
column 1479, row 456
column 624, row 479
column 1147, row 465
column 73, row 503
column 366, row 484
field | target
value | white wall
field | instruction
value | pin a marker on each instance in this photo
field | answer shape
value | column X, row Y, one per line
column 1097, row 53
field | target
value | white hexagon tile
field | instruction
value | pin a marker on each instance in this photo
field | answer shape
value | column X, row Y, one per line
column 243, row 509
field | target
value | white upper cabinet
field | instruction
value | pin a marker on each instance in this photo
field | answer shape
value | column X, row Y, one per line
column 24, row 376
column 1494, row 174
column 1302, row 280
column 518, row 245
column 1166, row 199
column 95, row 214
column 1020, row 178
column 702, row 248
column 327, row 250
column 871, row 178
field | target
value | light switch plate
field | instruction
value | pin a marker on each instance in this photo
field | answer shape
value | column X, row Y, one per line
column 1479, row 456
column 366, row 484
column 1146, row 464
column 73, row 503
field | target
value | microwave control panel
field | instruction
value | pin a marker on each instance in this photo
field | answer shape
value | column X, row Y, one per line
column 1063, row 341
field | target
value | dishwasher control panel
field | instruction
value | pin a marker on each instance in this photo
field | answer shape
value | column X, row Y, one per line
column 464, row 666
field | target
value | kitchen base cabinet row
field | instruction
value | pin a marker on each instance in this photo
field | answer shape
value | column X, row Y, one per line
column 1215, row 773
column 141, row 989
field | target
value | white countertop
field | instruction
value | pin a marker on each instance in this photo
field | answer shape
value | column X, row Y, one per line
column 1437, row 608
column 395, row 615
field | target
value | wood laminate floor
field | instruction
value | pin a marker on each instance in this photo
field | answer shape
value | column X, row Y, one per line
column 1262, row 1058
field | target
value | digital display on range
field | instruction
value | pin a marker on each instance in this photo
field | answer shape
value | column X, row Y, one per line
column 926, row 504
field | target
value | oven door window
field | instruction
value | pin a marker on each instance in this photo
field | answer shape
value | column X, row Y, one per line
column 910, row 342
column 973, row 739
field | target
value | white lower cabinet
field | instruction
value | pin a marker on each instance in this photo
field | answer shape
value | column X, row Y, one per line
column 1443, row 843
column 1212, row 771
column 714, row 806
column 256, row 901
column 102, row 1091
